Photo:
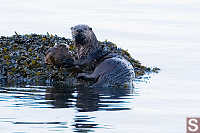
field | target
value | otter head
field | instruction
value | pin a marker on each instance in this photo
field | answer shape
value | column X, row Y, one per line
column 59, row 55
column 83, row 36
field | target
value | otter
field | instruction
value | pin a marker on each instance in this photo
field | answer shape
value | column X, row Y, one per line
column 59, row 55
column 111, row 70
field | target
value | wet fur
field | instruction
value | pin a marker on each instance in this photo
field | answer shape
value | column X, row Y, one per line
column 111, row 71
column 59, row 55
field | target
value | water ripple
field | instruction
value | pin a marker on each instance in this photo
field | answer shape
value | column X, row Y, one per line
column 30, row 99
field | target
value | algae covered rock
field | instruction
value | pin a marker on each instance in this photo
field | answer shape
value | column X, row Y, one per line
column 22, row 59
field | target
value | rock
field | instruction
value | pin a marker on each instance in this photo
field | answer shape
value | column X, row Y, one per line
column 22, row 59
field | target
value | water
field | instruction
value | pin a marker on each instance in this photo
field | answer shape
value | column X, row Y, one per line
column 158, row 33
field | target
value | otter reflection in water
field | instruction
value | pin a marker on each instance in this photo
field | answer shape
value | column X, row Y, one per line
column 88, row 99
column 80, row 99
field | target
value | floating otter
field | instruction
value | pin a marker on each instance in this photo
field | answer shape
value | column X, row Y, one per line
column 59, row 55
column 111, row 68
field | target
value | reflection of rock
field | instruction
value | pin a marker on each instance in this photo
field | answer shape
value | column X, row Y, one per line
column 61, row 96
column 81, row 99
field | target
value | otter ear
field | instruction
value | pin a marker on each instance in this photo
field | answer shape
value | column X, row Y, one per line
column 72, row 28
column 90, row 28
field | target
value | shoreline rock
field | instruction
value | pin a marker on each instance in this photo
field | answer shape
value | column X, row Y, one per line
column 22, row 59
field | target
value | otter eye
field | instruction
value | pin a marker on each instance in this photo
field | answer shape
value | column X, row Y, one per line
column 72, row 28
column 90, row 28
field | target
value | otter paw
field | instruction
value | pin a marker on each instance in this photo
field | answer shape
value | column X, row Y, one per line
column 85, row 76
column 81, row 76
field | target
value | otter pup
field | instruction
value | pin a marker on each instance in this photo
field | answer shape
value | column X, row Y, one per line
column 59, row 55
column 111, row 69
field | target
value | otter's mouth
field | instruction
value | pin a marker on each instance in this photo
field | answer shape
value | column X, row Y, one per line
column 80, row 39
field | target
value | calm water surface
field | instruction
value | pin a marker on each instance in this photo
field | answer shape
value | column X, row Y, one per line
column 158, row 33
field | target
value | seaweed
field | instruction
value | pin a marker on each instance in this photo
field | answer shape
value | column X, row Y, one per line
column 22, row 59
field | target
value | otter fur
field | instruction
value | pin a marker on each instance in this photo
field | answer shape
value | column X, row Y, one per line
column 59, row 55
column 111, row 70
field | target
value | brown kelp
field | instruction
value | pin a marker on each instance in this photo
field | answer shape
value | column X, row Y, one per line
column 22, row 59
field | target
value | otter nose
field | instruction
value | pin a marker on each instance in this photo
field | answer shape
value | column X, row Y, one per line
column 79, row 30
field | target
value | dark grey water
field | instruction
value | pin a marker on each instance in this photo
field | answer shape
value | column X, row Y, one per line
column 158, row 33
